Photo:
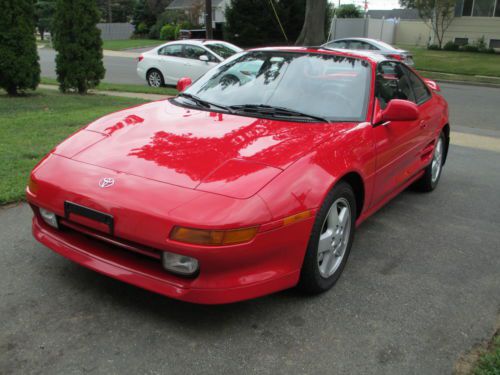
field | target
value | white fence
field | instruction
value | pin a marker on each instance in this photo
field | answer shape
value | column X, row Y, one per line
column 367, row 27
column 116, row 31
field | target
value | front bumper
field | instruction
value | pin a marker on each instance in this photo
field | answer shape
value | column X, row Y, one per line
column 269, row 263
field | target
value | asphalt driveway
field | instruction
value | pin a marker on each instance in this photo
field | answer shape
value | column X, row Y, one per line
column 421, row 287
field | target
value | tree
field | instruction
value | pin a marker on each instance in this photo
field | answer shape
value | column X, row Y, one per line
column 348, row 11
column 313, row 29
column 251, row 22
column 44, row 11
column 78, row 42
column 19, row 66
column 116, row 10
column 437, row 15
column 142, row 17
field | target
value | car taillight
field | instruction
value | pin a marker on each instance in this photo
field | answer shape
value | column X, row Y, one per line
column 397, row 57
column 140, row 58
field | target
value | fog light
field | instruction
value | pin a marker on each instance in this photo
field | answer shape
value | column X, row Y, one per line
column 49, row 217
column 180, row 264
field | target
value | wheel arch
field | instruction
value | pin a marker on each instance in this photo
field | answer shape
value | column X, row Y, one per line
column 355, row 180
column 446, row 131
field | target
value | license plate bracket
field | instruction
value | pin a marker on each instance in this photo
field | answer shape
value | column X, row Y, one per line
column 89, row 213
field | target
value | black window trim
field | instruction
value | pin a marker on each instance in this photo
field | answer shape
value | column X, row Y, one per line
column 418, row 103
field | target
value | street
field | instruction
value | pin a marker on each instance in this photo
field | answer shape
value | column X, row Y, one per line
column 421, row 287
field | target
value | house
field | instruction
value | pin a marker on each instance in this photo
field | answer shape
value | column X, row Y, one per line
column 475, row 19
column 188, row 6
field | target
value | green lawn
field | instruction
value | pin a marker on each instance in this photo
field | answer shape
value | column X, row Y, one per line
column 31, row 126
column 489, row 362
column 124, row 87
column 466, row 63
column 120, row 45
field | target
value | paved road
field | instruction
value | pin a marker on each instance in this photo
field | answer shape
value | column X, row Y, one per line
column 118, row 69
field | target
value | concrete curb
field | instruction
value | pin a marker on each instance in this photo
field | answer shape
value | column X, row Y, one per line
column 468, row 83
column 136, row 95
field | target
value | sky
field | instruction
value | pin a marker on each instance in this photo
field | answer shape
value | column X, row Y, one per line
column 372, row 4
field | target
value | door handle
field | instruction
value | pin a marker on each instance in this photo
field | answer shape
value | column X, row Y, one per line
column 423, row 124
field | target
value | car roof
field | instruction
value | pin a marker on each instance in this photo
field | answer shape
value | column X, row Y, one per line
column 378, row 43
column 364, row 55
column 196, row 42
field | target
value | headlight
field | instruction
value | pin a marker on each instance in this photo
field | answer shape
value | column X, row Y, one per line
column 49, row 217
column 213, row 237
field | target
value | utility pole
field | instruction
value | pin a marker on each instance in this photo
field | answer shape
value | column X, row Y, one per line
column 208, row 19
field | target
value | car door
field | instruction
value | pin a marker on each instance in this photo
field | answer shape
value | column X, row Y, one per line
column 171, row 62
column 398, row 143
column 430, row 113
column 194, row 67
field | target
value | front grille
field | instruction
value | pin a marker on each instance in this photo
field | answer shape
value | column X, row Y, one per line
column 112, row 241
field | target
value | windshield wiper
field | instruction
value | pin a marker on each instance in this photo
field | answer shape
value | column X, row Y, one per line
column 273, row 111
column 204, row 103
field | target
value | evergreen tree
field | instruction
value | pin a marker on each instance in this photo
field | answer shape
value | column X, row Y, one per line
column 44, row 12
column 78, row 42
column 19, row 66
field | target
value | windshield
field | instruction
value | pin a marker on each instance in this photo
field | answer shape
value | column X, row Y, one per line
column 331, row 87
column 223, row 50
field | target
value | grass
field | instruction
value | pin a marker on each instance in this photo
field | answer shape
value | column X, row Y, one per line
column 120, row 45
column 124, row 87
column 489, row 362
column 32, row 125
column 453, row 62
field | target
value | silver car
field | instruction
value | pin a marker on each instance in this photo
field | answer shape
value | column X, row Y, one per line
column 372, row 45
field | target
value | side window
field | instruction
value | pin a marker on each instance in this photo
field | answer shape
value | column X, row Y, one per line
column 171, row 50
column 360, row 45
column 194, row 52
column 392, row 83
column 342, row 44
column 420, row 89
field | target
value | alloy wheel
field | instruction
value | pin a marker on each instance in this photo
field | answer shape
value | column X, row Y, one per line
column 334, row 237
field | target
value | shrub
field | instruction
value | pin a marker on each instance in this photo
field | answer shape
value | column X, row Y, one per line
column 78, row 43
column 19, row 66
column 451, row 46
column 142, row 29
column 433, row 47
column 154, row 32
column 469, row 48
column 481, row 45
column 169, row 32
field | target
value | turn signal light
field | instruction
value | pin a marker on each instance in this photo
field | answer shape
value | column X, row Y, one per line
column 32, row 186
column 213, row 237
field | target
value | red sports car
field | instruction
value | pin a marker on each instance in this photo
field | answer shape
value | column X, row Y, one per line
column 252, row 180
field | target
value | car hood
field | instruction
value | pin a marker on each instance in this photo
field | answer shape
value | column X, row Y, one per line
column 227, row 154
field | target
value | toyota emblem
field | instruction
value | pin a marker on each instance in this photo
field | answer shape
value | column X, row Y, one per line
column 106, row 182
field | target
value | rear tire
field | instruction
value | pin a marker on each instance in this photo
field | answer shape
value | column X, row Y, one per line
column 432, row 173
column 155, row 78
column 331, row 239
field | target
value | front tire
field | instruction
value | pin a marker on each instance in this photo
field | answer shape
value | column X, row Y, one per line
column 433, row 171
column 331, row 240
column 155, row 78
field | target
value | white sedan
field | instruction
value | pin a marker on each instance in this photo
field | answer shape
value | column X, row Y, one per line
column 166, row 64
